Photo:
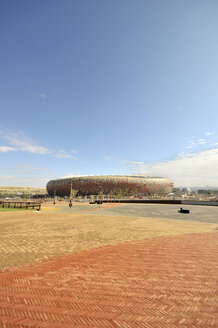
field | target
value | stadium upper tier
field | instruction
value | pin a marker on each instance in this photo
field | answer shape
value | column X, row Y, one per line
column 109, row 184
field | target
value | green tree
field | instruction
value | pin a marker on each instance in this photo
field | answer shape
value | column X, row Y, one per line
column 25, row 196
column 73, row 193
column 119, row 194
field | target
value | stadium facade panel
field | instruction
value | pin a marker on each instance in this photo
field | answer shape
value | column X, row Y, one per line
column 110, row 184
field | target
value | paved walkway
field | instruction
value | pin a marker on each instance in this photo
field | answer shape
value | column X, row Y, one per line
column 27, row 237
column 155, row 283
column 207, row 214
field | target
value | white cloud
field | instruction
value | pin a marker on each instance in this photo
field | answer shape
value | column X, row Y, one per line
column 201, row 141
column 42, row 95
column 62, row 154
column 190, row 144
column 106, row 158
column 135, row 165
column 209, row 134
column 6, row 149
column 21, row 142
column 195, row 169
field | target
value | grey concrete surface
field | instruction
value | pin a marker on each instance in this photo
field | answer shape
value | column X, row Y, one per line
column 197, row 213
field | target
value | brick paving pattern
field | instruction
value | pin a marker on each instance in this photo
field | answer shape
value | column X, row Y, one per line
column 163, row 282
column 32, row 236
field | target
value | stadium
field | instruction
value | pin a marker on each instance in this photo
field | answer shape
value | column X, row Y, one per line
column 126, row 185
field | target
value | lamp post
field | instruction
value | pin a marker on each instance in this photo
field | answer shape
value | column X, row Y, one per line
column 71, row 190
column 70, row 203
column 54, row 196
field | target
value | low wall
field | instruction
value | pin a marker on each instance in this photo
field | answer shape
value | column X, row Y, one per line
column 142, row 201
column 158, row 201
column 204, row 203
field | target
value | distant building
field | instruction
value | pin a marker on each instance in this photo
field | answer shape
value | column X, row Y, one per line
column 110, row 184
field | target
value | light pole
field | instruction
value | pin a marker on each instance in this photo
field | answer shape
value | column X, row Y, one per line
column 70, row 203
column 54, row 196
column 71, row 190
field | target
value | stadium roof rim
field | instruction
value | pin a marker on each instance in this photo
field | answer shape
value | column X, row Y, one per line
column 110, row 175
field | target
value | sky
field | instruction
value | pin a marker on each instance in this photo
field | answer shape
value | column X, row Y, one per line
column 108, row 87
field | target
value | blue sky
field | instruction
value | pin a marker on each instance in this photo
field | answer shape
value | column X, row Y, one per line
column 108, row 87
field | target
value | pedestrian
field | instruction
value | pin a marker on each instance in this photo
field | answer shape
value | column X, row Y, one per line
column 70, row 204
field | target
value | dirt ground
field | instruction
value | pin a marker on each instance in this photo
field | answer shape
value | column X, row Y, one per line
column 30, row 236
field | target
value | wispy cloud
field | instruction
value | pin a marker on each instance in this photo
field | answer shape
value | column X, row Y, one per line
column 201, row 141
column 42, row 95
column 6, row 149
column 190, row 144
column 136, row 166
column 62, row 154
column 195, row 143
column 209, row 134
column 195, row 169
column 21, row 142
column 106, row 158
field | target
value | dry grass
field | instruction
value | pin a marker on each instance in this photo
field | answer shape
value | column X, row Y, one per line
column 31, row 236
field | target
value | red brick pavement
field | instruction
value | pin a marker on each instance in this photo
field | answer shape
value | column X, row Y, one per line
column 164, row 282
